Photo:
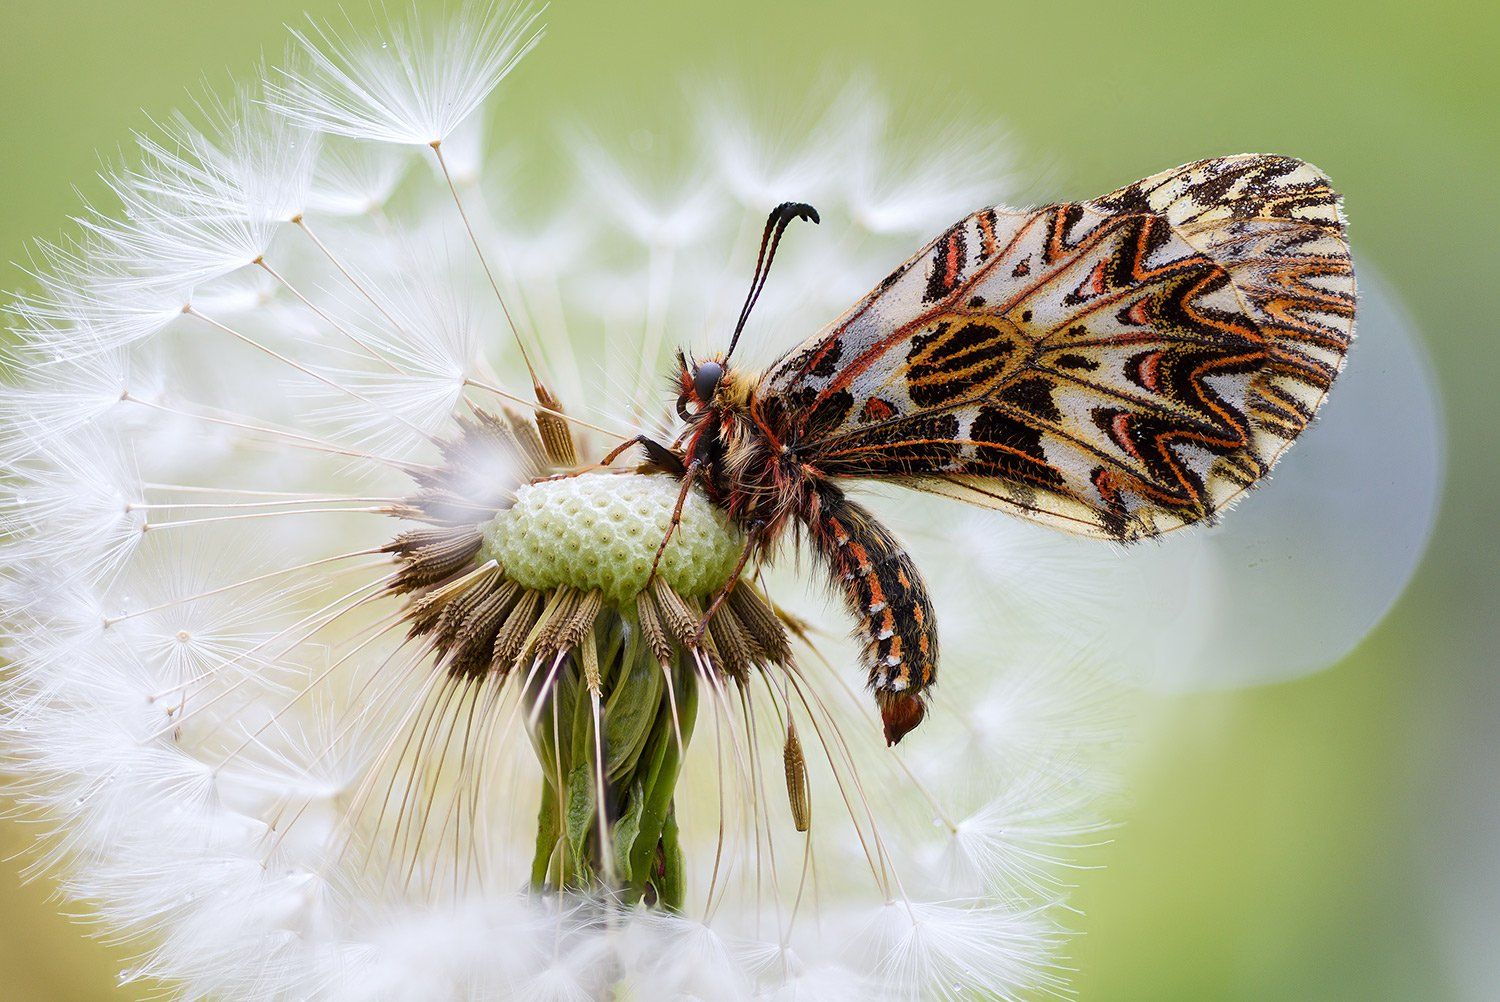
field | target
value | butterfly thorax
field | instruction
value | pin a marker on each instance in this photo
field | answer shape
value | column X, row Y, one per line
column 745, row 464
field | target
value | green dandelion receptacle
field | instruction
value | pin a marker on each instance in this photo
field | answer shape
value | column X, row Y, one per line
column 601, row 531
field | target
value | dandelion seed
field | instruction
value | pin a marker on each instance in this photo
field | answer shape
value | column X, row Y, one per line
column 413, row 86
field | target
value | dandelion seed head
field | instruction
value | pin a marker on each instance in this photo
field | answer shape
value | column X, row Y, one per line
column 602, row 531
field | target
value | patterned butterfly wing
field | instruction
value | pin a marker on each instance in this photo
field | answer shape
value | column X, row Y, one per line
column 1118, row 367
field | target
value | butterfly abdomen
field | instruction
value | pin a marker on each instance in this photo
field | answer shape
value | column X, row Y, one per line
column 884, row 591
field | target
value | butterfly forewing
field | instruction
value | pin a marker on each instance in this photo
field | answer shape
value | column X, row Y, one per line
column 1118, row 367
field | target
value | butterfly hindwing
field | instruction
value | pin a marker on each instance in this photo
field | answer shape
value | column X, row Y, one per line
column 1117, row 367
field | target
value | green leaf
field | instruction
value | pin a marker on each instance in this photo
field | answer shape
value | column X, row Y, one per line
column 664, row 763
column 671, row 885
column 627, row 829
column 580, row 810
column 546, row 837
column 633, row 706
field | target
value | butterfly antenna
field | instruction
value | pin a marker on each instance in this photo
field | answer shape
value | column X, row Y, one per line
column 780, row 218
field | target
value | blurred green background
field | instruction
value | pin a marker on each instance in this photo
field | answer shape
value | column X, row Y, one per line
column 1332, row 838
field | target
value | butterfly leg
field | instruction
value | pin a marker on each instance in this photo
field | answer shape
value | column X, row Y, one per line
column 689, row 475
column 656, row 454
column 751, row 539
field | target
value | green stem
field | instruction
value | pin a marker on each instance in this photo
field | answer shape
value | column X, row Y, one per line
column 642, row 765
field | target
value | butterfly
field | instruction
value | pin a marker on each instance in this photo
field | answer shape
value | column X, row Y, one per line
column 1118, row 368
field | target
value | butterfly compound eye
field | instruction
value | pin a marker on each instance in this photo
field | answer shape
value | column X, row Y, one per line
column 706, row 379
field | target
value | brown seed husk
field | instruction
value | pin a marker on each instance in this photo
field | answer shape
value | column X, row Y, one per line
column 761, row 623
column 557, row 438
column 651, row 627
column 433, row 555
column 510, row 641
column 796, row 779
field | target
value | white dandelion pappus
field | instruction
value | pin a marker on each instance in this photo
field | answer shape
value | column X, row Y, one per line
column 356, row 179
column 269, row 456
column 414, row 84
column 83, row 302
column 198, row 207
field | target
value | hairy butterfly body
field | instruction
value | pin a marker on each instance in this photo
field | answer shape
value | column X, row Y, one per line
column 1118, row 368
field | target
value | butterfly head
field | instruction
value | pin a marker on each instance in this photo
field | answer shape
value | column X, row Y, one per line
column 706, row 379
column 707, row 385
